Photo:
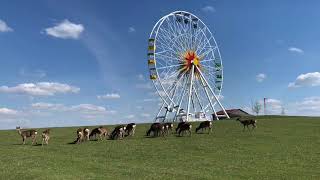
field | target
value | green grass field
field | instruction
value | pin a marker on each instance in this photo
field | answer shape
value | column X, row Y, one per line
column 280, row 148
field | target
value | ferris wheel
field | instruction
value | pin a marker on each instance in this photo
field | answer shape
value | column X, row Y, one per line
column 186, row 68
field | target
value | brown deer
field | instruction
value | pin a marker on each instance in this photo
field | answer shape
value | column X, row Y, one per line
column 179, row 126
column 248, row 122
column 204, row 125
column 27, row 134
column 156, row 129
column 118, row 132
column 45, row 137
column 101, row 131
column 185, row 127
column 168, row 127
column 130, row 129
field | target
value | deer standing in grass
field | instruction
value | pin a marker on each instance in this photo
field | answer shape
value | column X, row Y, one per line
column 179, row 126
column 156, row 129
column 204, row 125
column 248, row 122
column 27, row 134
column 86, row 133
column 45, row 137
column 101, row 131
column 130, row 129
column 184, row 128
column 168, row 127
column 118, row 132
column 79, row 136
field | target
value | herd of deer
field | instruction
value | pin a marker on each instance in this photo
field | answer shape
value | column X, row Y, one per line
column 121, row 131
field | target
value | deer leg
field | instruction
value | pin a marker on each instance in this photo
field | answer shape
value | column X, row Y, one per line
column 189, row 132
column 33, row 138
column 23, row 140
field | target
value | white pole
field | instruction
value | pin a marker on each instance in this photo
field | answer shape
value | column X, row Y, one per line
column 181, row 97
column 209, row 98
column 190, row 91
column 224, row 111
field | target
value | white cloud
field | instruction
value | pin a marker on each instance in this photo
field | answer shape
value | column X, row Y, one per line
column 150, row 100
column 88, row 109
column 131, row 29
column 309, row 79
column 40, row 89
column 32, row 74
column 295, row 50
column 48, row 106
column 6, row 111
column 65, row 30
column 4, row 27
column 131, row 116
column 109, row 96
column 261, row 77
column 274, row 105
column 309, row 106
column 209, row 9
column 141, row 77
column 145, row 115
column 144, row 86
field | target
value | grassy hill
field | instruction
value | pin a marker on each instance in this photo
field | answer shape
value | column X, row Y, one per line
column 280, row 148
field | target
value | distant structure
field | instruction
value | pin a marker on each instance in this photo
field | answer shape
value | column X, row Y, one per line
column 234, row 113
column 265, row 105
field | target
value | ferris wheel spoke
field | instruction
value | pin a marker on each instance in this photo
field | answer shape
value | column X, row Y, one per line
column 202, row 46
column 170, row 57
column 171, row 28
column 207, row 60
column 164, row 67
column 205, row 53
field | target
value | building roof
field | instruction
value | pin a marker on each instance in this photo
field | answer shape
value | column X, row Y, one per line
column 231, row 112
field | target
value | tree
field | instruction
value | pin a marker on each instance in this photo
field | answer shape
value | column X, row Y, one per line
column 256, row 107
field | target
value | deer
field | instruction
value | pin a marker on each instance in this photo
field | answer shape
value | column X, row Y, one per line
column 204, row 125
column 79, row 136
column 156, row 129
column 179, row 125
column 130, row 129
column 185, row 127
column 45, row 137
column 86, row 133
column 168, row 127
column 248, row 122
column 118, row 132
column 27, row 134
column 101, row 131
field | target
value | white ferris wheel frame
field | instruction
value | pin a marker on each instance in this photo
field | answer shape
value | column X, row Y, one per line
column 166, row 96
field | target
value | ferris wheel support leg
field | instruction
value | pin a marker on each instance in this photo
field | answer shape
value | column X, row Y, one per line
column 208, row 96
column 197, row 96
column 160, row 110
column 181, row 98
column 190, row 91
column 224, row 111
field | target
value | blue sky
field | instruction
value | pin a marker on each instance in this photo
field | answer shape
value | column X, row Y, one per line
column 84, row 62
